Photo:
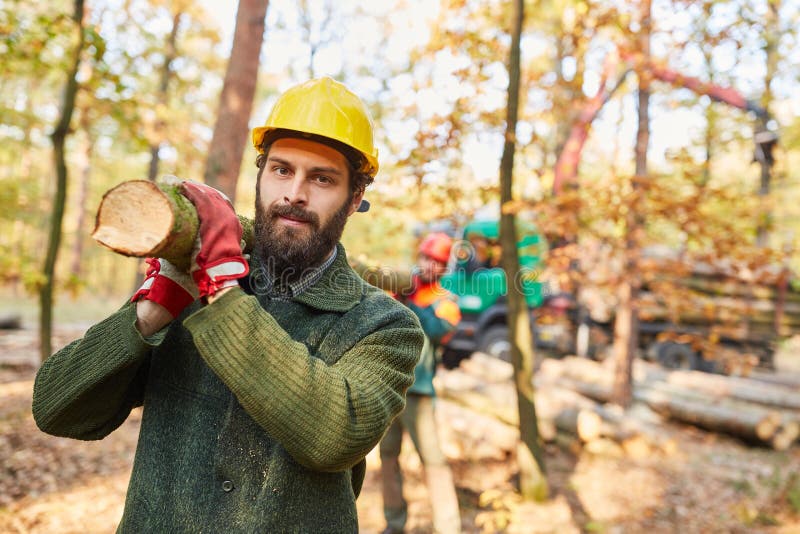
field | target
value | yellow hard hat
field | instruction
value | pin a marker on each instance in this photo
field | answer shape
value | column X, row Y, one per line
column 326, row 108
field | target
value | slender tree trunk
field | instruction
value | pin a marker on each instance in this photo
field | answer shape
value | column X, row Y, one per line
column 170, row 52
column 626, row 325
column 59, row 137
column 530, row 455
column 236, row 101
column 157, row 135
column 566, row 169
column 771, row 39
column 83, row 197
column 710, row 113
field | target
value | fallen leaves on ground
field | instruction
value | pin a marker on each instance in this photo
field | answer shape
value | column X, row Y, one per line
column 708, row 483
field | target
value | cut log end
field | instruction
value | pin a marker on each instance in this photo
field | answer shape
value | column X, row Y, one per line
column 134, row 218
column 786, row 435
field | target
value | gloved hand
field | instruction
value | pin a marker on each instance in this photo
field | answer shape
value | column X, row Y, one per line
column 217, row 261
column 166, row 285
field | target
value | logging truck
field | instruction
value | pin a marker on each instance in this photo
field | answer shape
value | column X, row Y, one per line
column 714, row 318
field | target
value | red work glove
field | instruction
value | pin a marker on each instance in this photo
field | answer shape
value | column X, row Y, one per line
column 166, row 285
column 217, row 261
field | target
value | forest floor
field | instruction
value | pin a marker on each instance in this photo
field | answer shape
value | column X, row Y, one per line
column 704, row 483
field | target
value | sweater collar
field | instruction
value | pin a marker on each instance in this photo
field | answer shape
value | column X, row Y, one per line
column 339, row 288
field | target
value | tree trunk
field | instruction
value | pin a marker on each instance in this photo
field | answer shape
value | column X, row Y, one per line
column 530, row 454
column 170, row 52
column 751, row 423
column 484, row 385
column 786, row 379
column 142, row 219
column 59, row 138
column 566, row 168
column 236, row 100
column 771, row 39
column 83, row 198
column 626, row 327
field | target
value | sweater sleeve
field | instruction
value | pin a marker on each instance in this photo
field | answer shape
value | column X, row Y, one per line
column 328, row 417
column 88, row 388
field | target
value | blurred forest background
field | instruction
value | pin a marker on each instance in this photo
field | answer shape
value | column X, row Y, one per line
column 435, row 76
column 669, row 125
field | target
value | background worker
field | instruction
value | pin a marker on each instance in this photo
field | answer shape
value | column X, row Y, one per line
column 438, row 314
column 262, row 397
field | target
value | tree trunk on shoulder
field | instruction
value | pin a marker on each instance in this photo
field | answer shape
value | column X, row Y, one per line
column 236, row 101
column 141, row 219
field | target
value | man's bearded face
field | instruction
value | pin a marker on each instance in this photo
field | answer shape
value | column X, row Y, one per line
column 288, row 251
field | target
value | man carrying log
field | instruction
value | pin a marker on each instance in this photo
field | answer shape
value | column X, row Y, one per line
column 264, row 382
column 439, row 314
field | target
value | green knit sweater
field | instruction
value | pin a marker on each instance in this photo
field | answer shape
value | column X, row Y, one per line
column 257, row 414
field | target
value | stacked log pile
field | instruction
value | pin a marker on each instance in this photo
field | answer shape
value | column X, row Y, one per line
column 740, row 302
column 572, row 396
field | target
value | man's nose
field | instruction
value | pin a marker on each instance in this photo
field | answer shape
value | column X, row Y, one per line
column 297, row 192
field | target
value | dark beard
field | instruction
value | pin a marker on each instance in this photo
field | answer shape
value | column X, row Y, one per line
column 287, row 254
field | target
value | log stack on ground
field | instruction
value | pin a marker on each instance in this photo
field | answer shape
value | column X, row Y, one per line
column 572, row 396
column 484, row 385
column 758, row 298
column 737, row 406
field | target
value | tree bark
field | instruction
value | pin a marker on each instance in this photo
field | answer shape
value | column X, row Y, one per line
column 236, row 100
column 744, row 389
column 170, row 52
column 59, row 138
column 785, row 379
column 771, row 40
column 487, row 388
column 142, row 219
column 530, row 454
column 626, row 327
column 752, row 424
column 83, row 197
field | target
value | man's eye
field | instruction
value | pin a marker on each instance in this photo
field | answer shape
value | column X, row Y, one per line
column 324, row 179
column 281, row 171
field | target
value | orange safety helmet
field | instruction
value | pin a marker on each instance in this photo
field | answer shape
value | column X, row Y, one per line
column 437, row 246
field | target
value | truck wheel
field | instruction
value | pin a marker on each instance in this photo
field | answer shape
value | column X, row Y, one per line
column 494, row 342
column 676, row 356
column 452, row 358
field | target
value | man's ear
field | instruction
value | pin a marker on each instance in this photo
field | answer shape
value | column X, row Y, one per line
column 355, row 203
